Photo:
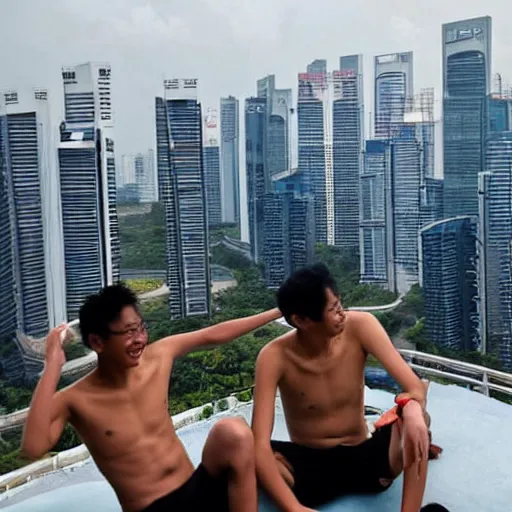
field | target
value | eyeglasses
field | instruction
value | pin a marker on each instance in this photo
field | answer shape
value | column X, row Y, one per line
column 131, row 332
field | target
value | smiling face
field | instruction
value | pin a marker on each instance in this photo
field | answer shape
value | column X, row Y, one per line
column 125, row 341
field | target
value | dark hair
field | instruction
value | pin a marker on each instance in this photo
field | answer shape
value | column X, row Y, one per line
column 434, row 507
column 303, row 293
column 102, row 308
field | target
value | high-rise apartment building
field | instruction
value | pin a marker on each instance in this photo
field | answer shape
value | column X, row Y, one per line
column 394, row 84
column 230, row 159
column 183, row 191
column 449, row 282
column 258, row 181
column 315, row 162
column 376, row 227
column 289, row 230
column 347, row 148
column 88, row 184
column 466, row 85
column 495, row 249
column 279, row 112
column 139, row 178
column 211, row 157
column 31, row 264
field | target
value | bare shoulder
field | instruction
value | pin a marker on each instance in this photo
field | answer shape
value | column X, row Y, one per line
column 361, row 325
column 275, row 350
column 357, row 318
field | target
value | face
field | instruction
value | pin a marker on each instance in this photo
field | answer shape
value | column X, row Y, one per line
column 127, row 339
column 332, row 322
column 334, row 315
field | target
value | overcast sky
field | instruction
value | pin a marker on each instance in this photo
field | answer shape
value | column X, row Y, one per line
column 227, row 44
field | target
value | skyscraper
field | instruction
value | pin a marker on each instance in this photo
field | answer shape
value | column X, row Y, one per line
column 278, row 139
column 289, row 228
column 88, row 184
column 230, row 159
column 449, row 282
column 212, row 167
column 394, row 84
column 31, row 274
column 258, row 180
column 466, row 84
column 315, row 145
column 348, row 136
column 146, row 177
column 139, row 178
column 376, row 222
column 495, row 250
column 182, row 184
column 407, row 178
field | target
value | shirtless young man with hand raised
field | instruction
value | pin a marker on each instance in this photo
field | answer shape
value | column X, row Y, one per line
column 319, row 371
column 120, row 411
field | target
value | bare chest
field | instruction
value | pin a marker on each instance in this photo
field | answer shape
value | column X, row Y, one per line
column 114, row 424
column 323, row 388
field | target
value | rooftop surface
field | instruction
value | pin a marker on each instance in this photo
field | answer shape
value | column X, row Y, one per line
column 473, row 473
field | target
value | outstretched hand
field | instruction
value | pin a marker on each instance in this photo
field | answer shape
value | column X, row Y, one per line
column 415, row 436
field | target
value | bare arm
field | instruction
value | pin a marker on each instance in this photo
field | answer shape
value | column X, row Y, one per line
column 375, row 341
column 48, row 410
column 268, row 373
column 47, row 416
column 215, row 335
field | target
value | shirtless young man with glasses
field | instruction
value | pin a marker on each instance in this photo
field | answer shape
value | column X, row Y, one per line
column 120, row 411
column 319, row 370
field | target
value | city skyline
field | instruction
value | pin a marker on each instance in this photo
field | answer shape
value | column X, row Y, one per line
column 397, row 178
column 417, row 30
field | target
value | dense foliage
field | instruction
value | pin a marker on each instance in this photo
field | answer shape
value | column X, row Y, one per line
column 144, row 285
column 143, row 239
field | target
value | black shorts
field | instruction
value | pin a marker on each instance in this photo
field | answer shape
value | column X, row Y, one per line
column 200, row 492
column 322, row 475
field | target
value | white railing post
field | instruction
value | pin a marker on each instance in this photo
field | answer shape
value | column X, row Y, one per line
column 485, row 379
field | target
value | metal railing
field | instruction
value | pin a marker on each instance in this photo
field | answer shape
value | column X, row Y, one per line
column 479, row 378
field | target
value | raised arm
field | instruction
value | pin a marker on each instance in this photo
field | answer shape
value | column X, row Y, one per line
column 268, row 374
column 376, row 341
column 215, row 335
column 48, row 412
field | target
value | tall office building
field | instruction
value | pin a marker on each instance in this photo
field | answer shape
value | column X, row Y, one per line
column 128, row 170
column 258, row 180
column 182, row 184
column 376, row 221
column 31, row 265
column 88, row 184
column 407, row 178
column 289, row 228
column 466, row 84
column 139, row 181
column 279, row 111
column 449, row 282
column 230, row 159
column 315, row 160
column 495, row 250
column 146, row 178
column 394, row 84
column 211, row 157
column 347, row 147
column 431, row 201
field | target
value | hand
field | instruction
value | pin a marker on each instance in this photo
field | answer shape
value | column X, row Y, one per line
column 415, row 435
column 301, row 508
column 54, row 352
